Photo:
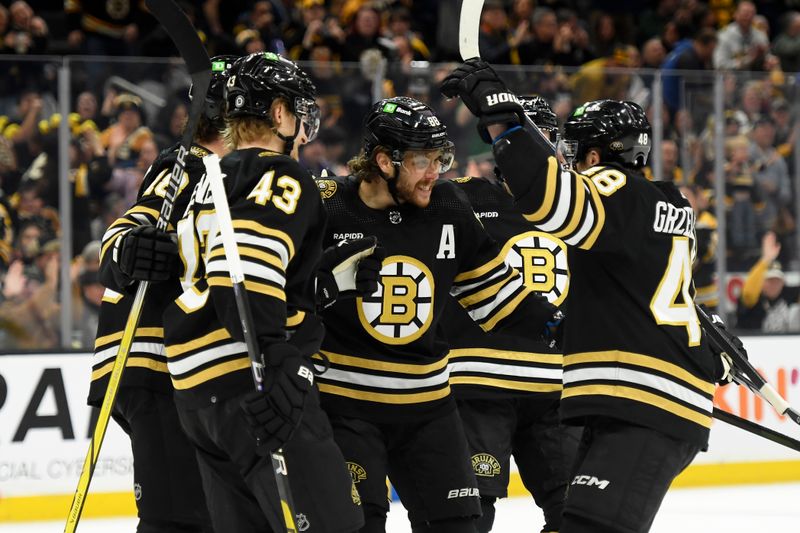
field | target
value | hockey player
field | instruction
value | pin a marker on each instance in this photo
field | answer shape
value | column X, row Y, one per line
column 638, row 370
column 387, row 388
column 507, row 387
column 167, row 486
column 278, row 220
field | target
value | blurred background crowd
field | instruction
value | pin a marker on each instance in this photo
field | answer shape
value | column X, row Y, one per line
column 684, row 61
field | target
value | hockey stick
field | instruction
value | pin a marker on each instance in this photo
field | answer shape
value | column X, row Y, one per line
column 194, row 55
column 246, row 320
column 757, row 429
column 742, row 371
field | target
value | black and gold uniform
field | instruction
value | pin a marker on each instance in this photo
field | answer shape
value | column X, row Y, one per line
column 637, row 368
column 278, row 221
column 166, row 478
column 508, row 386
column 705, row 263
column 386, row 388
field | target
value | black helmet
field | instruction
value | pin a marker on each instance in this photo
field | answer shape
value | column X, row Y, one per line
column 215, row 98
column 619, row 129
column 403, row 123
column 539, row 111
column 257, row 79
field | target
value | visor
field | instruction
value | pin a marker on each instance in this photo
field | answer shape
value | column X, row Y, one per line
column 308, row 112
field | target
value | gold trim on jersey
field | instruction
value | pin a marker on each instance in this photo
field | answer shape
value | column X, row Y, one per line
column 599, row 216
column 295, row 319
column 372, row 364
column 507, row 355
column 175, row 350
column 140, row 332
column 210, row 373
column 487, row 292
column 481, row 270
column 649, row 398
column 138, row 362
column 112, row 296
column 264, row 230
column 396, row 398
column 549, row 192
column 577, row 210
column 247, row 251
column 506, row 310
column 250, row 286
column 644, row 361
column 506, row 384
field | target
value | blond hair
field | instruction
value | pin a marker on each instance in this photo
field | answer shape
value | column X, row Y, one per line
column 249, row 128
column 365, row 168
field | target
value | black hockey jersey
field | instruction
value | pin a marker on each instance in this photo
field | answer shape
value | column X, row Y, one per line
column 388, row 360
column 278, row 220
column 147, row 363
column 705, row 264
column 633, row 346
column 500, row 364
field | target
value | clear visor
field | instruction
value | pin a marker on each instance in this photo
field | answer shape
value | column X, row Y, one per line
column 308, row 112
column 440, row 160
column 569, row 149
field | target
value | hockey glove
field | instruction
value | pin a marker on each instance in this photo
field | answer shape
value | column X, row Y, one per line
column 722, row 361
column 349, row 269
column 485, row 95
column 274, row 413
column 146, row 254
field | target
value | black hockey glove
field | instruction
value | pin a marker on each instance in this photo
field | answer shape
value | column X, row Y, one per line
column 146, row 253
column 722, row 361
column 485, row 94
column 349, row 269
column 275, row 413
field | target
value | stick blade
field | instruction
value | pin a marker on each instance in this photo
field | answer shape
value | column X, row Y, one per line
column 182, row 34
column 469, row 29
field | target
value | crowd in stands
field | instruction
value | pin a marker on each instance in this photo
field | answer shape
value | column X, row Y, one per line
column 124, row 110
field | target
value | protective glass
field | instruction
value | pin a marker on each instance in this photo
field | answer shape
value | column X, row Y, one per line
column 439, row 160
column 308, row 112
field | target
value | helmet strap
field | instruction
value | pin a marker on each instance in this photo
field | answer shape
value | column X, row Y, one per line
column 288, row 142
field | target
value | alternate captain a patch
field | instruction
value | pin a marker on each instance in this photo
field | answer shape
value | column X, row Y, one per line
column 485, row 465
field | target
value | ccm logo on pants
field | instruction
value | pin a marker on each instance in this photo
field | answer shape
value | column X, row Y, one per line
column 591, row 481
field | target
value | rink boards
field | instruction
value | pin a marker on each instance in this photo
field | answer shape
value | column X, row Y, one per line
column 45, row 427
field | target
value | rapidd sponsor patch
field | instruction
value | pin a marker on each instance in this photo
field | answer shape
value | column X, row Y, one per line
column 485, row 465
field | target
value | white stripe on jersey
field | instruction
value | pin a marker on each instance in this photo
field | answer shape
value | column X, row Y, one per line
column 247, row 239
column 479, row 313
column 457, row 289
column 250, row 269
column 197, row 359
column 588, row 222
column 505, row 370
column 391, row 384
column 628, row 376
column 559, row 218
column 152, row 348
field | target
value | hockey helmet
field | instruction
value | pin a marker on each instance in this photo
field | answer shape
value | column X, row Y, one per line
column 620, row 130
column 402, row 123
column 539, row 111
column 215, row 97
column 257, row 79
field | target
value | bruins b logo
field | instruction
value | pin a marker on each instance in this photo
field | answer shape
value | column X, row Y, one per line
column 401, row 310
column 542, row 259
column 485, row 465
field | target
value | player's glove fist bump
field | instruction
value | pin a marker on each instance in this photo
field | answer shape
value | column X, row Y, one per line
column 146, row 253
column 484, row 94
column 274, row 413
column 350, row 268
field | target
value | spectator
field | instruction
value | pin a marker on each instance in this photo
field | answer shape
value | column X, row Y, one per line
column 90, row 295
column 126, row 180
column 311, row 28
column 593, row 81
column 653, row 53
column 652, row 21
column 604, row 40
column 261, row 19
column 766, row 303
column 174, row 117
column 741, row 46
column 770, row 172
column 31, row 208
column 497, row 44
column 28, row 33
column 124, row 138
column 29, row 314
column 400, row 26
column 740, row 186
column 572, row 40
column 540, row 49
column 785, row 129
column 670, row 171
column 787, row 45
column 680, row 87
column 249, row 42
column 704, row 267
column 103, row 28
column 364, row 33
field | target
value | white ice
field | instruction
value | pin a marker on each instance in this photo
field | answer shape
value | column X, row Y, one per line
column 729, row 509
